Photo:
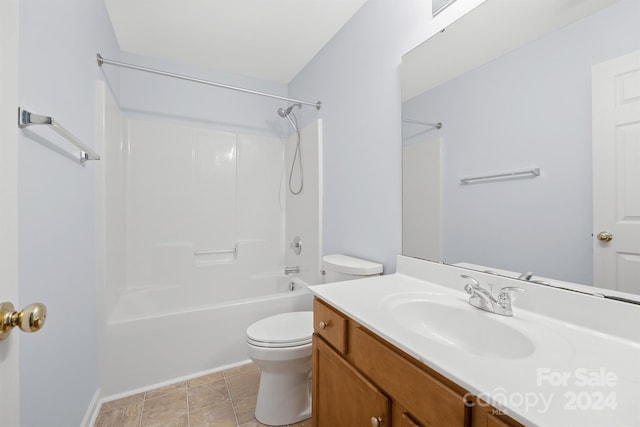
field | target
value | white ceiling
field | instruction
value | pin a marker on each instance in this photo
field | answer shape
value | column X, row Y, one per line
column 490, row 30
column 266, row 39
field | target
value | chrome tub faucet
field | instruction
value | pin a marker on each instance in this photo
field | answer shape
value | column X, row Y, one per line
column 483, row 299
column 291, row 270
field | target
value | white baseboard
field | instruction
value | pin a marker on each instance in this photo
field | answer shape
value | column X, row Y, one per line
column 172, row 381
column 91, row 415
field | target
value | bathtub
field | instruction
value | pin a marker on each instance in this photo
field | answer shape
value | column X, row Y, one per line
column 149, row 343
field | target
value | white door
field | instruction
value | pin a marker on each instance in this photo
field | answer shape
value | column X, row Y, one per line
column 9, row 402
column 616, row 173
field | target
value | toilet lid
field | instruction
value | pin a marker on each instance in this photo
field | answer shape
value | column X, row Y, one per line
column 282, row 330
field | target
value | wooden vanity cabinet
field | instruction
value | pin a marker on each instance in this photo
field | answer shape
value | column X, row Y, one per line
column 342, row 396
column 361, row 380
column 485, row 415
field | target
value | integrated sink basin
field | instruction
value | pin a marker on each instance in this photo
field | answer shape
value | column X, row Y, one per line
column 455, row 324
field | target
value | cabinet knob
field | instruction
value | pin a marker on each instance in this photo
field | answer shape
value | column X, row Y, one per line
column 323, row 324
column 376, row 422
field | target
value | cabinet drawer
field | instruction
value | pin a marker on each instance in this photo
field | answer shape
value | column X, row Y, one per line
column 330, row 325
column 431, row 401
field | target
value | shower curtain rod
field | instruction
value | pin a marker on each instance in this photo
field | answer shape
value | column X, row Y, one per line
column 102, row 60
column 420, row 122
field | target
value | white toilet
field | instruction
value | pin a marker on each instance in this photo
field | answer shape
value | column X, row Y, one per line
column 280, row 346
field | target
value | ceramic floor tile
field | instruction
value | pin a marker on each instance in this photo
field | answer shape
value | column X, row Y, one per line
column 107, row 406
column 216, row 376
column 165, row 390
column 220, row 399
column 165, row 408
column 304, row 423
column 217, row 415
column 239, row 370
column 168, row 421
column 207, row 394
column 254, row 423
column 245, row 409
column 123, row 416
column 243, row 385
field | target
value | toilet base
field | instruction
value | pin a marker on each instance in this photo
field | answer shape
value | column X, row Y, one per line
column 284, row 393
column 283, row 398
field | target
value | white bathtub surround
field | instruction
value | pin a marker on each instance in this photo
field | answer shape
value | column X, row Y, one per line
column 193, row 196
column 304, row 215
column 143, row 352
column 582, row 369
column 193, row 223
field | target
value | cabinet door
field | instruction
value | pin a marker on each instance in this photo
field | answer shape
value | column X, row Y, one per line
column 429, row 400
column 494, row 421
column 341, row 396
column 407, row 421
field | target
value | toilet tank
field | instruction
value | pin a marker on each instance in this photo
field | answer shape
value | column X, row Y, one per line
column 339, row 267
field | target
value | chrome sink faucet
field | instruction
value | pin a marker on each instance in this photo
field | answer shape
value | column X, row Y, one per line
column 483, row 299
column 527, row 275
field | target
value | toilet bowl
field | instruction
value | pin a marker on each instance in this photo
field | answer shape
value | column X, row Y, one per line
column 280, row 346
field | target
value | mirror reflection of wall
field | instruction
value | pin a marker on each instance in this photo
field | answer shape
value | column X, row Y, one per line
column 530, row 108
column 438, row 6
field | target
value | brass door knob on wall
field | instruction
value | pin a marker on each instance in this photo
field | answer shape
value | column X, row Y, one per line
column 30, row 319
column 604, row 236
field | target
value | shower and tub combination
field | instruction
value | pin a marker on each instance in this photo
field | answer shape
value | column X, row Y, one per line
column 198, row 224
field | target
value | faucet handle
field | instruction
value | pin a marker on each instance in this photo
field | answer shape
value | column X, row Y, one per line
column 470, row 287
column 474, row 283
column 504, row 296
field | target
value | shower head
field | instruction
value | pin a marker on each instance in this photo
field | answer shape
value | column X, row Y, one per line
column 284, row 112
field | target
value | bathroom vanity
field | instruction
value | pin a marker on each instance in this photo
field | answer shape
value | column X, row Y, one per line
column 360, row 376
column 408, row 350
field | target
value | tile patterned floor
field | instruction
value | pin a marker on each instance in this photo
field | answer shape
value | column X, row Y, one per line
column 221, row 399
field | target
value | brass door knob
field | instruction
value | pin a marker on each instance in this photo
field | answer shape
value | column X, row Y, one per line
column 30, row 319
column 604, row 236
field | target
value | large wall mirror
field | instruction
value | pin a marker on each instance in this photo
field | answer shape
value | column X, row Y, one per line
column 511, row 85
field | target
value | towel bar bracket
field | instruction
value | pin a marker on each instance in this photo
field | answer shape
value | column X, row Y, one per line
column 27, row 118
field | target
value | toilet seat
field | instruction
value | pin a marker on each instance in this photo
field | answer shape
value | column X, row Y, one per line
column 282, row 330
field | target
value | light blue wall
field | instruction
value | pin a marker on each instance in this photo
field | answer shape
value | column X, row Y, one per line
column 58, row 41
column 146, row 94
column 357, row 78
column 531, row 107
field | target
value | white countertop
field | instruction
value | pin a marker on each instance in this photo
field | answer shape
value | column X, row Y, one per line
column 575, row 376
